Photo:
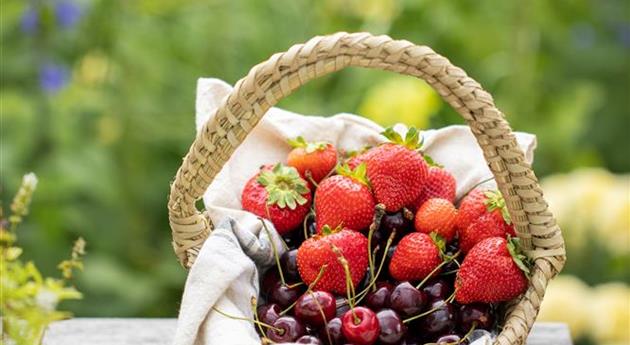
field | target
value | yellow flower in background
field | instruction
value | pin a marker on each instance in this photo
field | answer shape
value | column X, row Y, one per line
column 610, row 313
column 560, row 304
column 401, row 100
column 380, row 11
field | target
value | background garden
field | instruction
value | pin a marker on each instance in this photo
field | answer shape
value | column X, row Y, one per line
column 97, row 99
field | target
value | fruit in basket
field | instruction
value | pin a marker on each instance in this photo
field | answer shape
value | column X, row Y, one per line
column 437, row 215
column 345, row 200
column 286, row 329
column 438, row 289
column 268, row 313
column 393, row 330
column 441, row 321
column 316, row 159
column 396, row 170
column 401, row 221
column 439, row 184
column 315, row 308
column 331, row 334
column 482, row 214
column 407, row 300
column 278, row 194
column 309, row 339
column 493, row 271
column 379, row 298
column 330, row 251
column 360, row 326
column 288, row 264
column 416, row 256
column 284, row 295
column 478, row 315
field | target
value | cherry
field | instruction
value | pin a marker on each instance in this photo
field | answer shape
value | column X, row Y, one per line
column 450, row 339
column 311, row 305
column 407, row 300
column 342, row 306
column 285, row 295
column 290, row 330
column 438, row 289
column 309, row 339
column 395, row 221
column 441, row 321
column 288, row 263
column 269, row 280
column 332, row 329
column 379, row 299
column 268, row 313
column 393, row 329
column 365, row 330
column 479, row 314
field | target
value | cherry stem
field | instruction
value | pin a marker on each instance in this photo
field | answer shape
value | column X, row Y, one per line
column 349, row 285
column 260, row 323
column 379, row 211
column 320, row 274
column 321, row 311
column 372, row 283
column 309, row 176
column 255, row 310
column 275, row 251
column 446, row 301
column 477, row 185
column 437, row 268
column 304, row 226
column 469, row 333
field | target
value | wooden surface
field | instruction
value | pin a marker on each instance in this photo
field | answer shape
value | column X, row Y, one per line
column 89, row 331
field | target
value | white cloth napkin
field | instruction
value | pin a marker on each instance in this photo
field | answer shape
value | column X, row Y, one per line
column 225, row 274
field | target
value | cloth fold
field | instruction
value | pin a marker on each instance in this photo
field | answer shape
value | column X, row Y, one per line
column 225, row 274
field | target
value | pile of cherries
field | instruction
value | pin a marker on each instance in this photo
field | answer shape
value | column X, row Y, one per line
column 389, row 312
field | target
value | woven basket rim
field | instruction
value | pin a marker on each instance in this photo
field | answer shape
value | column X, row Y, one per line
column 280, row 75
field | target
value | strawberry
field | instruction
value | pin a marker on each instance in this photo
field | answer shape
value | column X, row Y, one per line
column 492, row 272
column 326, row 249
column 344, row 200
column 278, row 194
column 415, row 257
column 437, row 215
column 482, row 214
column 396, row 170
column 358, row 158
column 439, row 184
column 317, row 158
column 488, row 225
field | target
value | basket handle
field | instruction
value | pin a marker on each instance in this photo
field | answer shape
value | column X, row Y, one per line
column 269, row 82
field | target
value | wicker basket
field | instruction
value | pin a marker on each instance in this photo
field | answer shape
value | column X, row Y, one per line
column 283, row 73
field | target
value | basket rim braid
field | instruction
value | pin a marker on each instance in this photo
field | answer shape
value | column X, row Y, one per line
column 270, row 81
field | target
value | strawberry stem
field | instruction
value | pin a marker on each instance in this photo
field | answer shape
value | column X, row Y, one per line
column 275, row 251
column 260, row 323
column 379, row 212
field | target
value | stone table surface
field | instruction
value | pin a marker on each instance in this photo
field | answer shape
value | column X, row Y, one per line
column 119, row 331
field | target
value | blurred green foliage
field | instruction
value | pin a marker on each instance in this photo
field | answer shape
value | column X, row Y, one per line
column 101, row 105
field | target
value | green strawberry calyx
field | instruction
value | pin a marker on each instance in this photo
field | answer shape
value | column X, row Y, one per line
column 517, row 255
column 309, row 147
column 359, row 173
column 413, row 139
column 284, row 186
column 439, row 241
column 496, row 201
column 327, row 230
column 431, row 162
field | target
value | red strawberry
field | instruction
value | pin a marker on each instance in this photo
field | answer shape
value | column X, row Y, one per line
column 482, row 214
column 396, row 170
column 319, row 250
column 344, row 200
column 437, row 215
column 415, row 257
column 318, row 158
column 360, row 157
column 439, row 184
column 278, row 194
column 491, row 272
column 488, row 225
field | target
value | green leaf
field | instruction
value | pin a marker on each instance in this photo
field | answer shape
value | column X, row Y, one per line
column 359, row 173
column 521, row 260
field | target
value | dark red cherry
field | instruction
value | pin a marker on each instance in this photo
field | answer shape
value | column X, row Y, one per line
column 268, row 313
column 285, row 295
column 289, row 330
column 407, row 300
column 379, row 299
column 315, row 308
column 331, row 334
column 342, row 306
column 475, row 313
column 364, row 330
column 269, row 280
column 395, row 221
column 288, row 262
column 449, row 339
column 438, row 289
column 309, row 339
column 440, row 321
column 393, row 330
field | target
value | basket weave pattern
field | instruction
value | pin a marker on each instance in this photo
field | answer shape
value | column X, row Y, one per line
column 269, row 82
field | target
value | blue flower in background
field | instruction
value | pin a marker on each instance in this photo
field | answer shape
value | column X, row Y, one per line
column 53, row 77
column 30, row 20
column 68, row 13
